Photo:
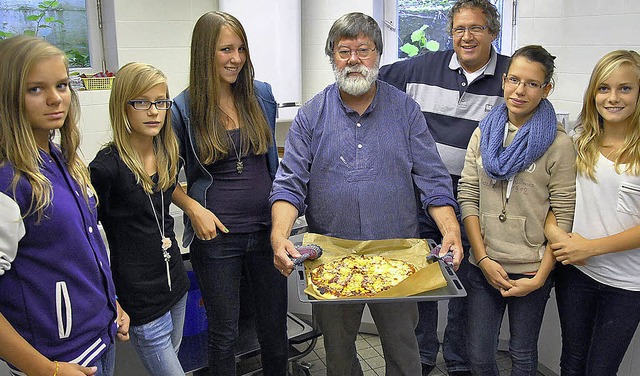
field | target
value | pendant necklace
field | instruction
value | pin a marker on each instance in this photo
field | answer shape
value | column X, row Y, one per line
column 505, row 198
column 238, row 153
column 166, row 242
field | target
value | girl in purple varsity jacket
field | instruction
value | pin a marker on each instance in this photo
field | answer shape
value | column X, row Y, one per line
column 58, row 312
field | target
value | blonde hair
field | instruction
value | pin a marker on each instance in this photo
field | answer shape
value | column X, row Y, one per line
column 206, row 117
column 133, row 80
column 18, row 55
column 590, row 124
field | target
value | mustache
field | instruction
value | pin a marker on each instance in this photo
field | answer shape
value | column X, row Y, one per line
column 356, row 69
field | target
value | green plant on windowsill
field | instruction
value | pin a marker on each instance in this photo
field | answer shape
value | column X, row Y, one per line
column 42, row 21
column 419, row 43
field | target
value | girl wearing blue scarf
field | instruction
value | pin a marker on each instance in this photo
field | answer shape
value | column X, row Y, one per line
column 519, row 165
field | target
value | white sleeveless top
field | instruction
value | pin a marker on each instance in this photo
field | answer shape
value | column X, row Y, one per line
column 607, row 207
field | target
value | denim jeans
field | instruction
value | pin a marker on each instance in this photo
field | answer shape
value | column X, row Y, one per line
column 219, row 264
column 157, row 342
column 598, row 322
column 486, row 309
column 106, row 363
column 455, row 333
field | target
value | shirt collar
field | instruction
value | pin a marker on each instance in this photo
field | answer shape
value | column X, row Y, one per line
column 454, row 64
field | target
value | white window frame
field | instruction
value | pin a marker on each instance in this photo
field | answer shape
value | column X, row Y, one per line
column 94, row 34
column 94, row 37
column 390, row 37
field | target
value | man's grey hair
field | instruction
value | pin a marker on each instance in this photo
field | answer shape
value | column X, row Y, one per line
column 350, row 26
column 488, row 9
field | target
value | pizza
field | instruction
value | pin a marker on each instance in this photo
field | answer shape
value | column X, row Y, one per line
column 359, row 275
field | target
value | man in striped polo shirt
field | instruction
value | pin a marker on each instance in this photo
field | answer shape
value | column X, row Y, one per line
column 455, row 90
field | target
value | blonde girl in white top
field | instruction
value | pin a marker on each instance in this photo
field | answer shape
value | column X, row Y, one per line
column 598, row 281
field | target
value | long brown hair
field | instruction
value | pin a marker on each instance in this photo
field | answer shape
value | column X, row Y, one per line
column 18, row 55
column 206, row 117
column 590, row 124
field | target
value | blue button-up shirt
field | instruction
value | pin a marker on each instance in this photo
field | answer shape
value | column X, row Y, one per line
column 362, row 177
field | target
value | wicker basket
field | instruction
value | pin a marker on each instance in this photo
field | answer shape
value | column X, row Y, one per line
column 98, row 83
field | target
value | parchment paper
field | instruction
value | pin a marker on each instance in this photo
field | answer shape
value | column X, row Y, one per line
column 414, row 251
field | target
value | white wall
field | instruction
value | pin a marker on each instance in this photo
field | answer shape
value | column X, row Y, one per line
column 578, row 33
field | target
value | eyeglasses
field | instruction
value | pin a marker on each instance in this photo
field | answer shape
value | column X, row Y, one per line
column 475, row 30
column 529, row 85
column 362, row 53
column 162, row 104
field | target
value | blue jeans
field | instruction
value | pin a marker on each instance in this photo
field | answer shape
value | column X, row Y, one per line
column 219, row 263
column 106, row 363
column 597, row 321
column 486, row 309
column 455, row 333
column 157, row 342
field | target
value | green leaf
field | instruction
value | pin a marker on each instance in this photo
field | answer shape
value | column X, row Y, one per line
column 30, row 32
column 49, row 19
column 44, row 26
column 409, row 49
column 432, row 45
column 418, row 34
column 33, row 17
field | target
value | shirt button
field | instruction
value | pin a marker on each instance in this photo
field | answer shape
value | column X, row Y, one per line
column 464, row 84
column 359, row 146
column 358, row 125
column 90, row 230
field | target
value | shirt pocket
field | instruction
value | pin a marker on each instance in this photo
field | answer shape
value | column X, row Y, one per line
column 629, row 199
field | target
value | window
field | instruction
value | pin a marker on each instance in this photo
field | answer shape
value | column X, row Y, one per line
column 71, row 25
column 414, row 26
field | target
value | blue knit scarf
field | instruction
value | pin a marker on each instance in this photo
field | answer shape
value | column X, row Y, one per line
column 530, row 143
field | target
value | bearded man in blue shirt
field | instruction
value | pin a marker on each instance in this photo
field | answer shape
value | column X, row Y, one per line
column 358, row 161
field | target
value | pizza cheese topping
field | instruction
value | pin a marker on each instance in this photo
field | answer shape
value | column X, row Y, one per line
column 359, row 275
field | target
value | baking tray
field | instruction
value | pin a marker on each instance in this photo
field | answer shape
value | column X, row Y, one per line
column 453, row 289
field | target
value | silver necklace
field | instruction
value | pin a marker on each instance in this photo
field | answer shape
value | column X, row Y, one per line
column 166, row 242
column 238, row 153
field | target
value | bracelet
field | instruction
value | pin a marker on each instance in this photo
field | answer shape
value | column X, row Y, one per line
column 55, row 373
column 482, row 258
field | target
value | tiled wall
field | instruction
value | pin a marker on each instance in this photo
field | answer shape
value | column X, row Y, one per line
column 317, row 18
column 578, row 33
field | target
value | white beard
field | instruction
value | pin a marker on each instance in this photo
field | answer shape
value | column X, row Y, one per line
column 356, row 85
